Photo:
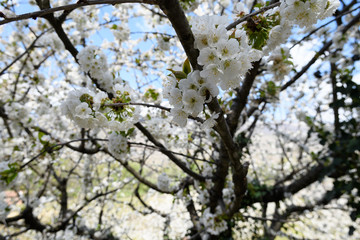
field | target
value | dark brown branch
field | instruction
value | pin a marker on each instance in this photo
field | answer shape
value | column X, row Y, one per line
column 5, row 119
column 220, row 174
column 138, row 104
column 333, row 73
column 243, row 19
column 170, row 155
column 62, row 35
column 69, row 7
column 278, row 193
column 157, row 148
column 307, row 66
column 176, row 15
column 64, row 223
column 154, row 12
column 240, row 101
column 138, row 176
column 30, row 220
column 283, row 218
column 151, row 106
column 152, row 210
column 57, row 147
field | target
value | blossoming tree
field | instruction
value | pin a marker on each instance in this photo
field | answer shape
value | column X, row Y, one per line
column 218, row 119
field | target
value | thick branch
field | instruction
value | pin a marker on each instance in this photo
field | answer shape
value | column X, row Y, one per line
column 176, row 15
column 335, row 99
column 30, row 220
column 240, row 101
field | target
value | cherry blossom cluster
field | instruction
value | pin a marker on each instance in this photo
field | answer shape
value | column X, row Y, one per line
column 93, row 61
column 226, row 56
column 213, row 222
column 188, row 96
column 120, row 32
column 305, row 13
column 117, row 145
column 281, row 65
column 93, row 110
column 163, row 182
column 17, row 111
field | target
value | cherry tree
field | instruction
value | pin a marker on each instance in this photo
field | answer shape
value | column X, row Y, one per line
column 180, row 119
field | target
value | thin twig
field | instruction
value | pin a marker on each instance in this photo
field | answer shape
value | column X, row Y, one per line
column 32, row 45
column 69, row 7
column 200, row 120
column 50, row 149
column 325, row 24
column 138, row 104
column 243, row 19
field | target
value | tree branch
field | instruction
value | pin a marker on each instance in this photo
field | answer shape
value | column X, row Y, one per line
column 169, row 154
column 319, row 53
column 69, row 7
column 176, row 15
column 243, row 19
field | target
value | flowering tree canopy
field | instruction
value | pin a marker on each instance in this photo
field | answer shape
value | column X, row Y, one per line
column 180, row 119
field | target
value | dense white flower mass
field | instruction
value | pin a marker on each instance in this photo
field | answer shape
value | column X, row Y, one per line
column 117, row 145
column 188, row 95
column 226, row 57
column 74, row 105
column 94, row 61
column 163, row 182
column 133, row 165
column 305, row 13
column 281, row 65
column 17, row 111
column 94, row 110
column 213, row 222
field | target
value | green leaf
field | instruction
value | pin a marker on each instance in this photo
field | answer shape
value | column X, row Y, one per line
column 271, row 88
column 152, row 93
column 40, row 135
column 130, row 131
column 258, row 5
column 178, row 74
column 138, row 61
column 10, row 174
column 186, row 67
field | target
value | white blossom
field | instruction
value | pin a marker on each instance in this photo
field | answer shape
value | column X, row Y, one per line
column 163, row 182
column 179, row 116
column 117, row 145
column 210, row 122
column 193, row 102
